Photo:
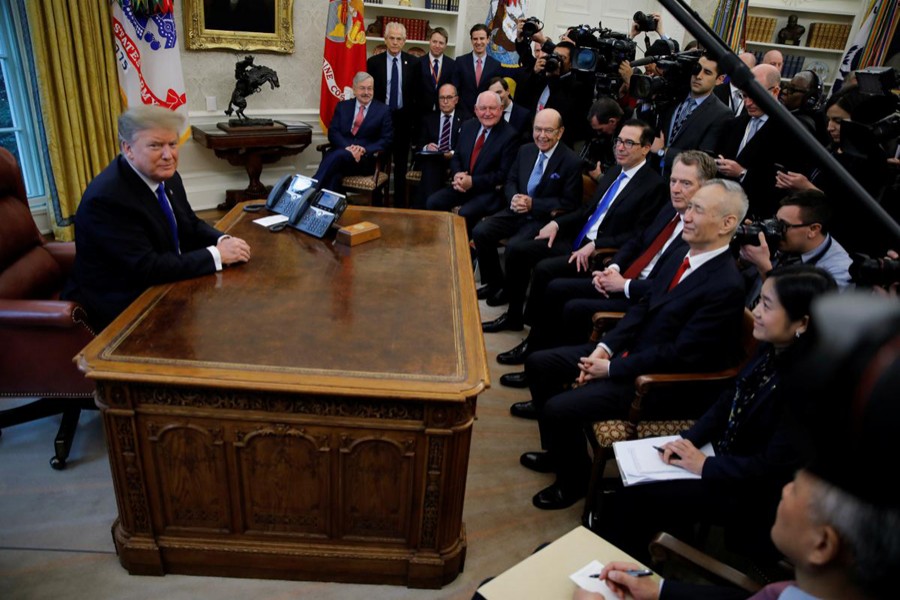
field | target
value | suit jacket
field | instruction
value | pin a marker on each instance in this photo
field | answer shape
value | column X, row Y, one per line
column 559, row 187
column 423, row 83
column 464, row 78
column 568, row 95
column 700, row 131
column 377, row 65
column 632, row 211
column 374, row 134
column 430, row 128
column 520, row 120
column 694, row 327
column 771, row 144
column 125, row 244
column 723, row 93
column 635, row 246
column 494, row 160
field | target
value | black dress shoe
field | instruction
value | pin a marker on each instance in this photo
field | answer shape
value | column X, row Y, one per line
column 499, row 298
column 524, row 410
column 502, row 323
column 537, row 461
column 486, row 291
column 515, row 380
column 556, row 497
column 516, row 356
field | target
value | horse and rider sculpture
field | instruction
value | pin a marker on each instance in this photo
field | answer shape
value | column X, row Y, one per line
column 250, row 80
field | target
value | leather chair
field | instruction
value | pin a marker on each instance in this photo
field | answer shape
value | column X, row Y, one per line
column 375, row 186
column 40, row 334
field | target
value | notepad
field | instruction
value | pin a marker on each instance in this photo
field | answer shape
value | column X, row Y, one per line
column 639, row 462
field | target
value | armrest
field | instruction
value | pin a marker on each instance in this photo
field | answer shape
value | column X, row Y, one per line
column 664, row 547
column 63, row 253
column 644, row 383
column 323, row 148
column 41, row 313
column 603, row 321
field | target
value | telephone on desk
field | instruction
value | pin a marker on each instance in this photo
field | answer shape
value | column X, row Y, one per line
column 310, row 210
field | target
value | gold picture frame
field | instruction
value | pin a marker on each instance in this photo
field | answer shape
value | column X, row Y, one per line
column 214, row 24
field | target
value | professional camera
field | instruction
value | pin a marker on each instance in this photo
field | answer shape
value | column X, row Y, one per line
column 645, row 22
column 867, row 271
column 552, row 60
column 747, row 234
column 530, row 27
column 866, row 136
column 675, row 81
column 600, row 51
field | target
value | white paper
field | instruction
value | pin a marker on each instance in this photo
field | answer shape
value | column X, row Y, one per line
column 269, row 221
column 582, row 578
column 640, row 462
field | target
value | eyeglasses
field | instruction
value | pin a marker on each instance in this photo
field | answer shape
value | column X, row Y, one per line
column 446, row 98
column 787, row 225
column 629, row 144
column 744, row 95
column 546, row 130
column 789, row 89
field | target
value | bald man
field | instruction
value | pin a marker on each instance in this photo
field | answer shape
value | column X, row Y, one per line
column 774, row 58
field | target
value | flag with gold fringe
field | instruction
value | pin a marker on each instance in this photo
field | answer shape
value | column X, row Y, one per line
column 729, row 22
column 149, row 61
column 344, row 56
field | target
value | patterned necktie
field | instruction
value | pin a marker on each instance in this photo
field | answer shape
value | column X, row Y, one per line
column 681, row 115
column 536, row 173
column 737, row 102
column 752, row 128
column 477, row 72
column 685, row 265
column 357, row 122
column 542, row 101
column 435, row 72
column 394, row 102
column 444, row 140
column 644, row 259
column 167, row 212
column 477, row 150
column 601, row 209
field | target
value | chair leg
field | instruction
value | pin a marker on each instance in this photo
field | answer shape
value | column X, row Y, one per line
column 595, row 487
column 45, row 407
column 64, row 437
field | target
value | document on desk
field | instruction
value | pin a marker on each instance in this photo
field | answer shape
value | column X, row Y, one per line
column 582, row 578
column 269, row 221
column 640, row 462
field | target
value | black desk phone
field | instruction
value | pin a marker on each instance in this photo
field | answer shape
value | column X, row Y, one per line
column 307, row 209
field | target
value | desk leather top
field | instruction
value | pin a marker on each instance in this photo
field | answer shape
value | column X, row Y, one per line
column 395, row 317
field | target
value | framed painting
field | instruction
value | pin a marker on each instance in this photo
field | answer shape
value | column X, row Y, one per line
column 243, row 25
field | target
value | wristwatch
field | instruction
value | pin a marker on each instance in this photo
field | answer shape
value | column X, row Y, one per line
column 661, row 152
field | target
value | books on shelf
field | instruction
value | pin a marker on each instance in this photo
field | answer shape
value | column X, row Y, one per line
column 793, row 63
column 760, row 29
column 832, row 36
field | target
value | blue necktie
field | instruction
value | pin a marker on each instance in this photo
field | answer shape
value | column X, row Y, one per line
column 681, row 115
column 752, row 128
column 170, row 216
column 536, row 173
column 602, row 206
column 395, row 86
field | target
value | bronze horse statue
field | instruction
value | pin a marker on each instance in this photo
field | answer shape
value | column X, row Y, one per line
column 250, row 79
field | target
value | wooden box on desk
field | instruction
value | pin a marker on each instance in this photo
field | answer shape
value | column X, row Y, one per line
column 358, row 233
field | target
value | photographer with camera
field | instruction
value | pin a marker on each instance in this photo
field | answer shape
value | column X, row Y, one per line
column 801, row 232
column 605, row 118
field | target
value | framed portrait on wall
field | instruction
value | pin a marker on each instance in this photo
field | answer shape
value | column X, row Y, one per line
column 244, row 25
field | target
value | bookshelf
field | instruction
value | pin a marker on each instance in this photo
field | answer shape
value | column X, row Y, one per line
column 830, row 27
column 421, row 10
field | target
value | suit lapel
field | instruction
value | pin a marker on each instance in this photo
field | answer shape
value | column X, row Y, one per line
column 549, row 169
column 625, row 195
column 696, row 279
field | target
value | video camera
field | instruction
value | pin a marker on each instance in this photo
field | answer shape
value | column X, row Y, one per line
column 747, row 234
column 867, row 141
column 600, row 51
column 866, row 271
column 675, row 80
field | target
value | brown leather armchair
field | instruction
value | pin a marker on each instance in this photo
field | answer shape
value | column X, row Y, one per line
column 40, row 334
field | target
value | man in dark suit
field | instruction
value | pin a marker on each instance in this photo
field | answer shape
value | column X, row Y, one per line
column 689, row 320
column 438, row 133
column 434, row 70
column 697, row 122
column 394, row 75
column 481, row 159
column 519, row 118
column 545, row 177
column 626, row 200
column 134, row 227
column 563, row 316
column 476, row 68
column 728, row 93
column 358, row 129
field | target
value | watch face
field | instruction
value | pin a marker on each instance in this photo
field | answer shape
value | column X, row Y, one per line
column 660, row 152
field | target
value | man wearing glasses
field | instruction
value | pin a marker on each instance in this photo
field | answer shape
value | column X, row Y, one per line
column 626, row 200
column 804, row 217
column 438, row 133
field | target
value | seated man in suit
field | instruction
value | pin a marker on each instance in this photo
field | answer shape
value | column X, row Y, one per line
column 475, row 69
column 518, row 117
column 625, row 202
column 545, row 177
column 438, row 132
column 564, row 315
column 358, row 129
column 689, row 320
column 134, row 227
column 481, row 159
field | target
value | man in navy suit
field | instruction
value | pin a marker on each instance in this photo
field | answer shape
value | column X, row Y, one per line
column 689, row 320
column 438, row 132
column 475, row 69
column 358, row 129
column 394, row 74
column 545, row 177
column 134, row 227
column 518, row 117
column 626, row 200
column 481, row 159
column 434, row 71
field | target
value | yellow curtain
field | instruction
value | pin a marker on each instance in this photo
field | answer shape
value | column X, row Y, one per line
column 74, row 54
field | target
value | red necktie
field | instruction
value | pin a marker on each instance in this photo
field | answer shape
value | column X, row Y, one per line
column 685, row 265
column 357, row 122
column 477, row 150
column 644, row 259
column 477, row 72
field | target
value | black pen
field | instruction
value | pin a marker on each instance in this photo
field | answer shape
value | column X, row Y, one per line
column 632, row 572
column 663, row 450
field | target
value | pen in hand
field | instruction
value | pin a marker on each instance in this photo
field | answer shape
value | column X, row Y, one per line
column 661, row 450
column 632, row 572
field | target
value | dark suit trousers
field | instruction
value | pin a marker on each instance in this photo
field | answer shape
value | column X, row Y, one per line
column 521, row 257
column 488, row 233
column 546, row 271
column 473, row 208
column 434, row 170
column 400, row 153
column 562, row 414
column 337, row 163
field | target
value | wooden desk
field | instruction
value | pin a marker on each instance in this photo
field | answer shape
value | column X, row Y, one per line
column 251, row 150
column 307, row 415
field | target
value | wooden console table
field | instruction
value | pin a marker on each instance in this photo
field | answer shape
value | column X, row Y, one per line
column 307, row 415
column 251, row 150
